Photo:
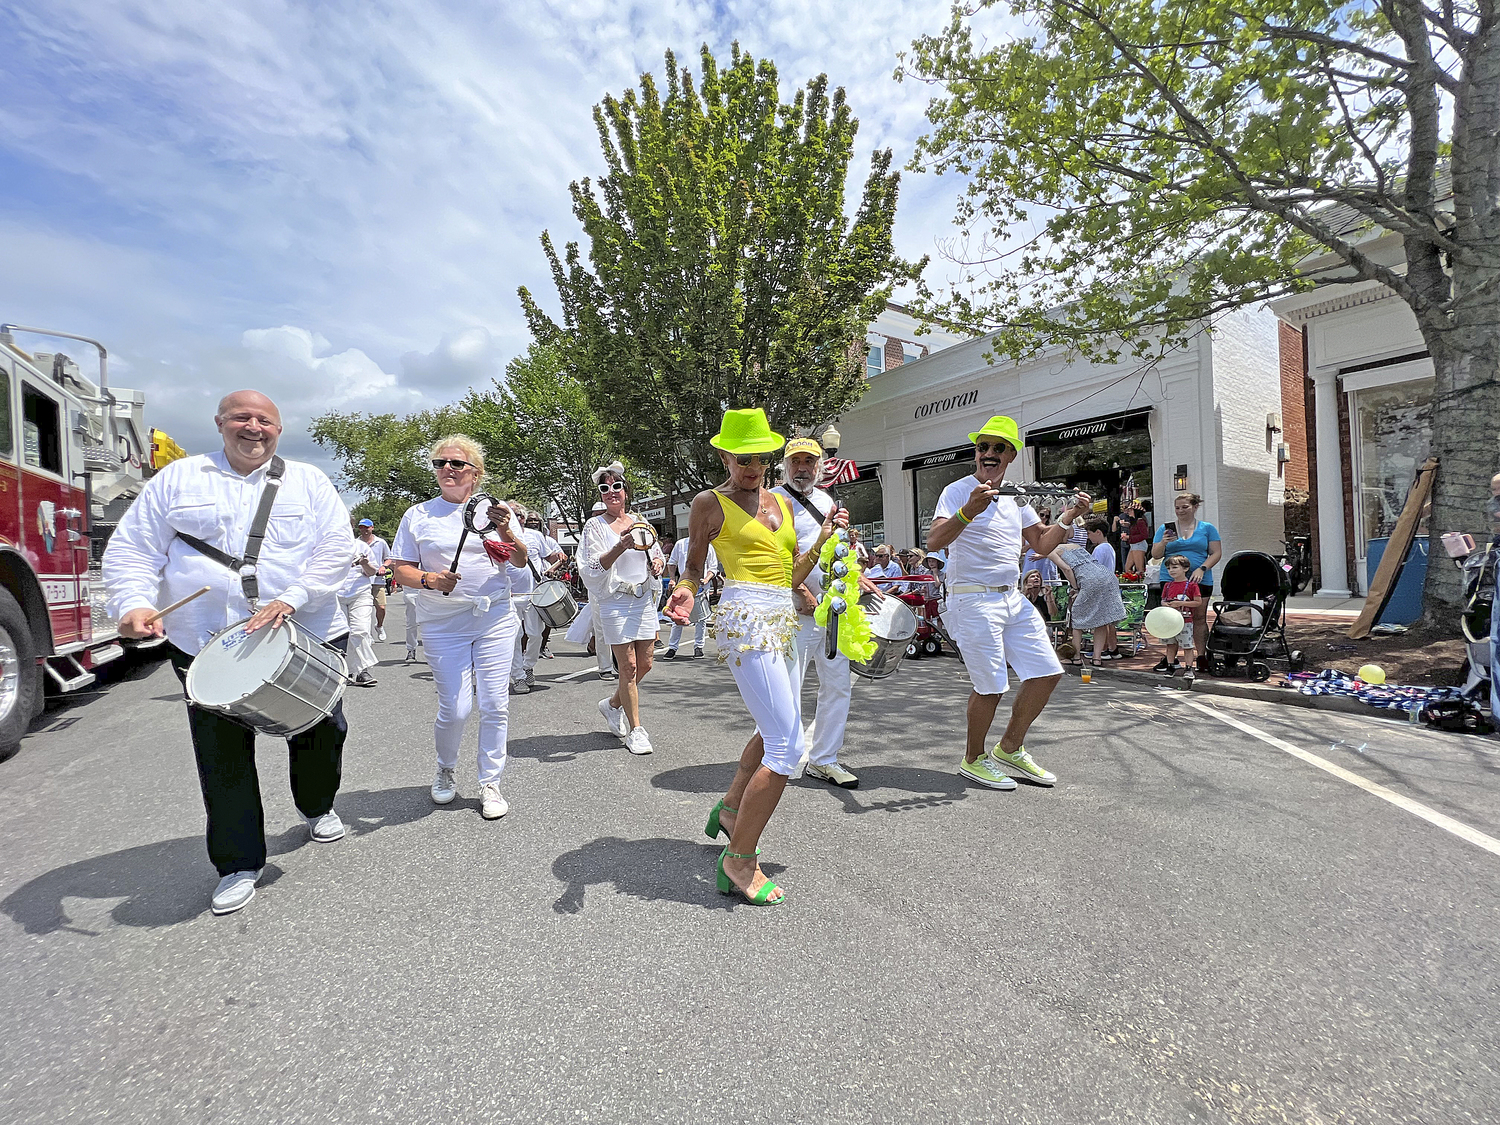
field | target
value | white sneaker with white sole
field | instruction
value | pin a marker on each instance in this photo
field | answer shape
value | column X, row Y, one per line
column 444, row 787
column 234, row 891
column 327, row 828
column 615, row 717
column 638, row 741
column 492, row 806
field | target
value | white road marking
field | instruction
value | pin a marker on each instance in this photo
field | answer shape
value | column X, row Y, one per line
column 1416, row 808
column 578, row 675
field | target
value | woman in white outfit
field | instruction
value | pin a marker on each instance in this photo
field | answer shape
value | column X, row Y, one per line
column 621, row 574
column 468, row 626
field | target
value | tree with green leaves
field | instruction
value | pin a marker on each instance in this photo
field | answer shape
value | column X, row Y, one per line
column 384, row 456
column 721, row 270
column 1170, row 161
column 545, row 437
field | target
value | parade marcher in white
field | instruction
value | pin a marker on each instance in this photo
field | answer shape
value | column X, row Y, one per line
column 676, row 564
column 357, row 600
column 303, row 561
column 622, row 573
column 989, row 619
column 810, row 505
column 468, row 626
column 542, row 552
column 586, row 629
column 380, row 555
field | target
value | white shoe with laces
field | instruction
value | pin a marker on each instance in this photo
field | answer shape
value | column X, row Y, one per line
column 638, row 741
column 615, row 717
column 444, row 787
column 493, row 806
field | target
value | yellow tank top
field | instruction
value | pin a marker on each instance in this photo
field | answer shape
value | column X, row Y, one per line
column 750, row 551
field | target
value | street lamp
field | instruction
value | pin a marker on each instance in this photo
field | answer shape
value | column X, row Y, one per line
column 830, row 438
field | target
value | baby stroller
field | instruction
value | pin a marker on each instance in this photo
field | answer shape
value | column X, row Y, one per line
column 1471, row 712
column 1250, row 621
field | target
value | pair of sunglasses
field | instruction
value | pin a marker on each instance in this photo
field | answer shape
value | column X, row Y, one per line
column 606, row 487
column 992, row 447
column 745, row 459
column 451, row 462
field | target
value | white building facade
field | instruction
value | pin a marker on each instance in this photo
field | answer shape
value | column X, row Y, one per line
column 1200, row 417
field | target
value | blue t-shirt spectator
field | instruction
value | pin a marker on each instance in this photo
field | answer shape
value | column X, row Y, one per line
column 1194, row 548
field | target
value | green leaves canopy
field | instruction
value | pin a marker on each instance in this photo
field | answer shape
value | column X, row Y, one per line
column 721, row 268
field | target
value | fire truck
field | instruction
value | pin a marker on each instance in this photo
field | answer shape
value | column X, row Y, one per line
column 73, row 455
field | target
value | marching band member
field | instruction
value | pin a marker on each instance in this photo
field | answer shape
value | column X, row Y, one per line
column 811, row 506
column 542, row 551
column 468, row 626
column 303, row 561
column 586, row 629
column 623, row 573
column 988, row 618
column 753, row 530
column 357, row 600
column 675, row 564
column 380, row 555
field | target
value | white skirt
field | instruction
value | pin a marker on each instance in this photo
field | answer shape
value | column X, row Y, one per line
column 753, row 615
column 625, row 617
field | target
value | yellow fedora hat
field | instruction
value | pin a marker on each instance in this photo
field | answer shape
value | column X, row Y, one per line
column 1001, row 427
column 746, row 431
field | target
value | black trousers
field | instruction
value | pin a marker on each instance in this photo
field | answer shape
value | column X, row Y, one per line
column 225, row 750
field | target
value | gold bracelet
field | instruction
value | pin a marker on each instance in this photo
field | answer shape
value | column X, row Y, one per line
column 685, row 583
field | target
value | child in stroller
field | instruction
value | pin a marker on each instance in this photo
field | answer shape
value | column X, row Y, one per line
column 1250, row 623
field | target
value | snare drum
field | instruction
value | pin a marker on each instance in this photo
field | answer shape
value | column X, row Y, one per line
column 893, row 625
column 281, row 681
column 554, row 604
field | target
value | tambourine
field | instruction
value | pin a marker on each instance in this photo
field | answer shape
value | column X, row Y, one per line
column 478, row 518
column 641, row 536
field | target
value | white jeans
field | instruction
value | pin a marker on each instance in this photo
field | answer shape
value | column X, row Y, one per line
column 525, row 658
column 413, row 627
column 472, row 657
column 699, row 634
column 825, row 734
column 360, row 609
column 752, row 615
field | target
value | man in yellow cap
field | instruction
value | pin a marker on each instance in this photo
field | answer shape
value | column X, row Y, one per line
column 992, row 624
column 824, row 736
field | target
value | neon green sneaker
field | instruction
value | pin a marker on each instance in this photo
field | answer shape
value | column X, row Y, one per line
column 984, row 772
column 1023, row 762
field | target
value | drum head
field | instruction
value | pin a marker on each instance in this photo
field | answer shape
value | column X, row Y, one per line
column 233, row 664
column 642, row 536
column 481, row 512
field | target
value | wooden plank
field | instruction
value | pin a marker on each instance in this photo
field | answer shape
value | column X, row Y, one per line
column 1389, row 570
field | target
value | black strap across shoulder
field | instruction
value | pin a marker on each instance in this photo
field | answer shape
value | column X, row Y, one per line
column 821, row 517
column 245, row 566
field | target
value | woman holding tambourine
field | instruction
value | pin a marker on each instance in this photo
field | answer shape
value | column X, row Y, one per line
column 452, row 552
column 621, row 563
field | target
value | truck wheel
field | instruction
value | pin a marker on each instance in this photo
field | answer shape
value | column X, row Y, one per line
column 20, row 675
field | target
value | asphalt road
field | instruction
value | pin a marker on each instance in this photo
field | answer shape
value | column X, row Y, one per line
column 1193, row 926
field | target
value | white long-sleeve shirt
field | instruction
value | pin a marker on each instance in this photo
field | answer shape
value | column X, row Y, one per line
column 632, row 568
column 303, row 560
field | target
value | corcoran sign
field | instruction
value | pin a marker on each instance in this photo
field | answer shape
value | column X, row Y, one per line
column 942, row 405
column 1093, row 427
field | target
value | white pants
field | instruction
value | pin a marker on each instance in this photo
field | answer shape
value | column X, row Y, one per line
column 472, row 657
column 765, row 681
column 700, row 633
column 604, row 656
column 526, row 657
column 825, row 734
column 360, row 609
column 413, row 626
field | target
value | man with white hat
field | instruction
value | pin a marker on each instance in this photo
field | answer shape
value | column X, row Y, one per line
column 801, row 462
column 986, row 615
column 380, row 553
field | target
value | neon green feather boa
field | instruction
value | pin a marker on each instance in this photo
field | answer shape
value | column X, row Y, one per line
column 855, row 639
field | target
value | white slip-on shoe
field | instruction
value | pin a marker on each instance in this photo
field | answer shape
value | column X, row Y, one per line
column 638, row 741
column 834, row 773
column 615, row 717
column 380, row 634
column 493, row 806
column 327, row 828
column 234, row 891
column 444, row 787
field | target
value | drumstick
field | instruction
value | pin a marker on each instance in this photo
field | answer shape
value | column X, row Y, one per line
column 159, row 614
column 453, row 566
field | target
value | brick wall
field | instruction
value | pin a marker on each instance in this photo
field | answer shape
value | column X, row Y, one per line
column 1293, row 411
column 894, row 356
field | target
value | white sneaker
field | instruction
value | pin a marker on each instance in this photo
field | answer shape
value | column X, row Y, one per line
column 615, row 717
column 638, row 742
column 380, row 634
column 444, row 787
column 834, row 773
column 327, row 828
column 494, row 806
column 234, row 891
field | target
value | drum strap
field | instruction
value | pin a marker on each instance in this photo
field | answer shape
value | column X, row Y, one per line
column 245, row 567
column 821, row 517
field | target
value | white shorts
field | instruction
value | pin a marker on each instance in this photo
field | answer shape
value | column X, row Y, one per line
column 625, row 617
column 993, row 630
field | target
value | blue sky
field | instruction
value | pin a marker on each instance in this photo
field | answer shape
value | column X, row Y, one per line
column 336, row 202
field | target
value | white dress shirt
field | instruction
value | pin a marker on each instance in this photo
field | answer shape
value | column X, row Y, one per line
column 358, row 581
column 303, row 562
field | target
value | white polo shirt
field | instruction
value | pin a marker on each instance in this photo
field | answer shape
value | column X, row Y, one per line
column 987, row 552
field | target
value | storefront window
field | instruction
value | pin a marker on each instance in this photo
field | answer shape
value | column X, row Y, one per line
column 930, row 483
column 1110, row 467
column 1394, row 425
column 866, row 503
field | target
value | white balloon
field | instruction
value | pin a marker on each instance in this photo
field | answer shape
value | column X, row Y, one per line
column 1164, row 623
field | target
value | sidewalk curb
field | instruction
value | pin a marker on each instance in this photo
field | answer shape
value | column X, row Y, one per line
column 1261, row 693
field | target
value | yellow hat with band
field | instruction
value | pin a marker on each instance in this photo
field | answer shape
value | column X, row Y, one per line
column 1001, row 427
column 746, row 431
column 804, row 445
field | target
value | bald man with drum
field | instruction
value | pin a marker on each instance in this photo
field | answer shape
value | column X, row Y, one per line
column 191, row 523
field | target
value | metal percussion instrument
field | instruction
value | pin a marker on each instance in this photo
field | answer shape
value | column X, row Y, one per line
column 641, row 536
column 554, row 604
column 281, row 681
column 893, row 625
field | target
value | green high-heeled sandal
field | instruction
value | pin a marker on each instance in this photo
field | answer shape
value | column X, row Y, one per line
column 761, row 897
column 713, row 828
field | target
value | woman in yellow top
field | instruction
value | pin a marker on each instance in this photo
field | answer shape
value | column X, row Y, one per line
column 750, row 528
